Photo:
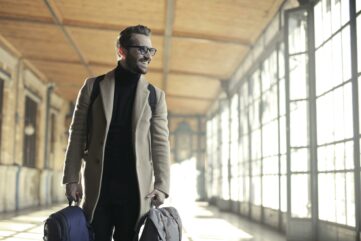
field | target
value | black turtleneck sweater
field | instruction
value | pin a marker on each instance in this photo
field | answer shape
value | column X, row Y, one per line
column 119, row 175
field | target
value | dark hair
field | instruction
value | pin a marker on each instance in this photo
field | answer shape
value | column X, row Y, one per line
column 125, row 36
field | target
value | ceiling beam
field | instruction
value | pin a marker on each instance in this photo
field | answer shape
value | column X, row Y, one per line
column 183, row 72
column 110, row 65
column 190, row 97
column 57, row 61
column 59, row 22
column 114, row 27
column 169, row 21
column 212, row 38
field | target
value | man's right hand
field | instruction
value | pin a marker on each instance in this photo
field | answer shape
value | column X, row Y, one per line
column 74, row 191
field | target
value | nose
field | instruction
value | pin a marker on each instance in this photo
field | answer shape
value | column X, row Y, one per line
column 147, row 55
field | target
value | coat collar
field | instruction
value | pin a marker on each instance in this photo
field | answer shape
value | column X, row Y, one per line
column 107, row 93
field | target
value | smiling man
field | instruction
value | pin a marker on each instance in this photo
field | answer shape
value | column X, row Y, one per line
column 123, row 140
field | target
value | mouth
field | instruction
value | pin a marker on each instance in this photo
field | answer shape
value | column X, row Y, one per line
column 144, row 62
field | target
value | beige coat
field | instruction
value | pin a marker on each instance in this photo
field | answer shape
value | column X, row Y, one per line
column 151, row 148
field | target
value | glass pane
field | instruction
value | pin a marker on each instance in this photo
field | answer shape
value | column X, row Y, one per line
column 326, row 197
column 270, row 139
column 336, row 60
column 225, row 152
column 340, row 156
column 283, row 164
column 345, row 11
column 270, row 192
column 256, row 145
column 300, row 196
column 334, row 115
column 254, row 90
column 326, row 158
column 256, row 191
column 336, row 15
column 256, row 168
column 346, row 53
column 350, row 197
column 359, row 41
column 244, row 95
column 270, row 165
column 225, row 187
column 284, row 193
column 326, row 19
column 269, row 71
column 358, row 6
column 323, row 73
column 281, row 61
column 344, row 117
column 283, row 143
column 234, row 156
column 349, row 159
column 244, row 121
column 336, row 198
column 318, row 23
column 340, row 198
column 299, row 160
column 244, row 149
column 234, row 190
column 282, row 96
column 298, row 76
column 299, row 123
column 234, row 131
column 325, row 117
column 254, row 115
column 241, row 189
column 297, row 32
column 270, row 105
column 246, row 186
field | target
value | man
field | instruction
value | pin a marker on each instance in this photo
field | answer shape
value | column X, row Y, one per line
column 126, row 166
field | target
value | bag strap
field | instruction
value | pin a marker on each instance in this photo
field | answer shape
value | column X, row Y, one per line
column 141, row 222
column 94, row 94
column 152, row 97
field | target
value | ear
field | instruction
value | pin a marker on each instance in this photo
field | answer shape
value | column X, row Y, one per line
column 121, row 53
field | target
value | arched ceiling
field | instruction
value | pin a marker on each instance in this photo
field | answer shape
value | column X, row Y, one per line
column 200, row 43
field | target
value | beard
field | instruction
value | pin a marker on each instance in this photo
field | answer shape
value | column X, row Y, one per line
column 139, row 66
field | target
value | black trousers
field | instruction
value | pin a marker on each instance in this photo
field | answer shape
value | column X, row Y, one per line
column 115, row 219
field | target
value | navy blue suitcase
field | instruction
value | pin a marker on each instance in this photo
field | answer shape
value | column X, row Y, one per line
column 68, row 224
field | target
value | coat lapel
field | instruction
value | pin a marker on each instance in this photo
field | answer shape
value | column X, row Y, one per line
column 107, row 94
column 140, row 100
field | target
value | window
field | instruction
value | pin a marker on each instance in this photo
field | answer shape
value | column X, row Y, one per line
column 298, row 103
column 30, row 132
column 244, row 160
column 1, row 108
column 334, row 114
column 234, row 148
column 53, row 135
column 225, row 150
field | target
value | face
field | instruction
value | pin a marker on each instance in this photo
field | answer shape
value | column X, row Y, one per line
column 134, row 60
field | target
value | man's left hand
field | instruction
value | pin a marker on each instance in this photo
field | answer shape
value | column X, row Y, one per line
column 157, row 197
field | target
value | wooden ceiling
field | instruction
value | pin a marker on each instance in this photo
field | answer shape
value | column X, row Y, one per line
column 200, row 43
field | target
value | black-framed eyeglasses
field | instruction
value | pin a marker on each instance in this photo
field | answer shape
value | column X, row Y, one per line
column 144, row 49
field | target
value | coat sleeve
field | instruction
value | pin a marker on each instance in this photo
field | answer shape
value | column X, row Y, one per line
column 160, row 146
column 77, row 136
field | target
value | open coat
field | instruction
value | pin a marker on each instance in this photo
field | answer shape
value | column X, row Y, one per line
column 150, row 140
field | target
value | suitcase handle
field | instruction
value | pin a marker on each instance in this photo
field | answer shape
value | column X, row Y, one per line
column 71, row 200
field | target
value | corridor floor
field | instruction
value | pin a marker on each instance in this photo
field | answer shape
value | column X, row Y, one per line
column 200, row 222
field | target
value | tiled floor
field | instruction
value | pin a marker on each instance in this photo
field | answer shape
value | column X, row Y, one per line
column 205, row 223
column 26, row 226
column 200, row 222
